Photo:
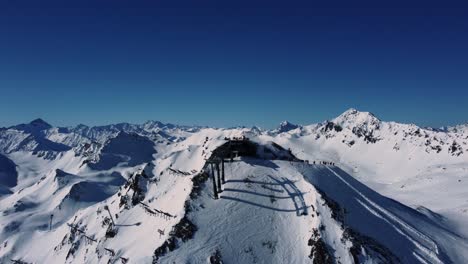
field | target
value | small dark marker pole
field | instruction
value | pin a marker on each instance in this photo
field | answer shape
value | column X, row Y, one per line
column 215, row 191
column 220, row 190
column 50, row 224
column 110, row 215
column 222, row 171
column 344, row 215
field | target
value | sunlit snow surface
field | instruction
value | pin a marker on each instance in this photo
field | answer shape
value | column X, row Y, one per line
column 403, row 187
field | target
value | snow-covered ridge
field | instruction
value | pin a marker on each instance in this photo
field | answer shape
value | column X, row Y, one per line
column 40, row 136
column 144, row 193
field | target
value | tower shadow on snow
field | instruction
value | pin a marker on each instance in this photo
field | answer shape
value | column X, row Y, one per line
column 287, row 186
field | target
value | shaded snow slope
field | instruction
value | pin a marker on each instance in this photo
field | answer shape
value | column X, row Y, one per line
column 131, row 149
column 410, row 234
column 8, row 173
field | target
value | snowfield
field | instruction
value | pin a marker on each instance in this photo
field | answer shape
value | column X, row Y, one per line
column 353, row 189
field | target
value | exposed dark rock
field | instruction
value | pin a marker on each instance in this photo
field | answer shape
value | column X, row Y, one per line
column 319, row 252
column 455, row 149
column 183, row 231
column 361, row 243
column 216, row 258
column 111, row 231
column 366, row 134
column 330, row 126
column 198, row 182
column 336, row 210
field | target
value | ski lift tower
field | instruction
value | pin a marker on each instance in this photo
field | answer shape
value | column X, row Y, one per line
column 217, row 183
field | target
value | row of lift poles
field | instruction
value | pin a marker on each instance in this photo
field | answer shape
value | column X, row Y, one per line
column 220, row 177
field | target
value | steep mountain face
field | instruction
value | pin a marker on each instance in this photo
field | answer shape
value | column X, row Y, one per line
column 8, row 175
column 285, row 126
column 297, row 194
column 30, row 138
column 131, row 149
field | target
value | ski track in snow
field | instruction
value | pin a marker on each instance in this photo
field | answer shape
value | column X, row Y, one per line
column 430, row 249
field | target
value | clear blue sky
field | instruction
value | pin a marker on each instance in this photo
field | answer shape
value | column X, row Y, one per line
column 227, row 63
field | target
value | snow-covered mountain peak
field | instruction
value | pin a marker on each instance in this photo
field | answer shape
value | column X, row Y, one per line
column 33, row 126
column 353, row 116
column 256, row 130
column 40, row 123
column 151, row 125
column 286, row 126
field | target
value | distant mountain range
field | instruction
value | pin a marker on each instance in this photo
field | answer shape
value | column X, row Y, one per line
column 39, row 136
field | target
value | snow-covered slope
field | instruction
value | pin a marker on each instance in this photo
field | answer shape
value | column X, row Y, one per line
column 416, row 166
column 279, row 211
column 351, row 190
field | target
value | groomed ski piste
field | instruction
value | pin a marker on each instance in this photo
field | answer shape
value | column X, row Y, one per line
column 292, row 200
